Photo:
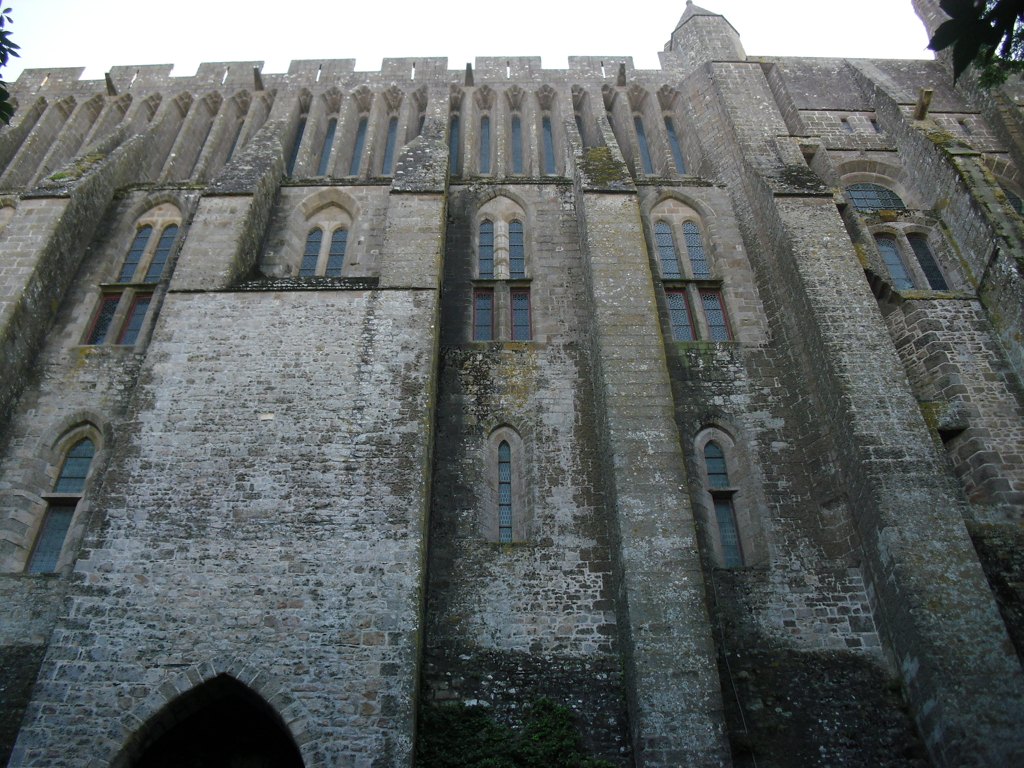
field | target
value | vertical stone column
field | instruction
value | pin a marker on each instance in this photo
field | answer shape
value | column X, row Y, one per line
column 671, row 673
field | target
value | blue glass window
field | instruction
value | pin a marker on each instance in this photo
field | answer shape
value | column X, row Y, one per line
column 483, row 315
column 641, row 137
column 504, row 492
column 929, row 266
column 679, row 316
column 516, row 250
column 549, row 146
column 695, row 250
column 295, row 145
column 521, row 316
column 163, row 250
column 872, row 197
column 311, row 255
column 893, row 262
column 336, row 256
column 714, row 460
column 517, row 145
column 76, row 467
column 131, row 261
column 486, row 254
column 325, row 152
column 715, row 315
column 485, row 144
column 673, row 142
column 50, row 540
column 234, row 142
column 666, row 250
column 104, row 316
column 732, row 557
column 130, row 332
column 357, row 150
column 453, row 146
column 389, row 148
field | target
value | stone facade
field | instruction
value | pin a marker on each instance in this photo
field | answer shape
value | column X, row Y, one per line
column 689, row 398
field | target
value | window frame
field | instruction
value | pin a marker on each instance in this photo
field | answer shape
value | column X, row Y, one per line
column 489, row 521
column 479, row 292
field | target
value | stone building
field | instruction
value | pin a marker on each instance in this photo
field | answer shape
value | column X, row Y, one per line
column 689, row 398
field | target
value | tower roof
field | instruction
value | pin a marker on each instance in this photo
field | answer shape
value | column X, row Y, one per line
column 695, row 10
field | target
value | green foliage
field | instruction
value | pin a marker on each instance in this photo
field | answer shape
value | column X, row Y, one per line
column 7, row 49
column 989, row 33
column 457, row 736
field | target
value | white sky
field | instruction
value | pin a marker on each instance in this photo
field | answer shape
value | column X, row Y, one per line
column 99, row 34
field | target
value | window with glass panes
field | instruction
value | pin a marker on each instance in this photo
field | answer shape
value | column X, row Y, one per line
column 483, row 314
column 504, row 492
column 679, row 316
column 714, row 313
column 521, row 330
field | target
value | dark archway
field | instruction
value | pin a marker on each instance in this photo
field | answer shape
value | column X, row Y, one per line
column 220, row 724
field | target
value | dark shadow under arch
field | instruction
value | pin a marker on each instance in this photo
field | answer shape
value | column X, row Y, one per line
column 219, row 723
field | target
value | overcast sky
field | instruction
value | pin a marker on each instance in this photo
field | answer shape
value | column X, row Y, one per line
column 99, row 34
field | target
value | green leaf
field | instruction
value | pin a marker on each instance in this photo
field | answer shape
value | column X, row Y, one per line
column 947, row 34
column 961, row 9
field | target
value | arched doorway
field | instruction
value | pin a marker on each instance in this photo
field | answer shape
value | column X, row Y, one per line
column 220, row 724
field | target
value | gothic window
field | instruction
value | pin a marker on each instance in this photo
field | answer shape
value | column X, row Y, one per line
column 666, row 250
column 131, row 261
column 296, row 144
column 517, row 145
column 714, row 313
column 163, row 250
column 504, row 492
column 929, row 266
column 873, row 197
column 521, row 315
column 336, row 255
column 71, row 481
column 679, row 316
column 516, row 250
column 136, row 316
column 486, row 250
column 549, row 146
column 311, row 255
column 641, row 137
column 453, row 146
column 725, row 517
column 357, row 149
column 695, row 250
column 893, row 262
column 483, row 314
column 389, row 147
column 325, row 150
column 673, row 142
column 485, row 144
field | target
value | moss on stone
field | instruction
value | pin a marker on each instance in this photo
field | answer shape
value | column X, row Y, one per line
column 601, row 167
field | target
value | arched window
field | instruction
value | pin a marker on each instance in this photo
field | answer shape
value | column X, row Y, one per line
column 714, row 313
column 695, row 250
column 296, row 144
column 516, row 250
column 131, row 261
column 673, row 142
column 453, row 146
column 163, row 250
column 929, row 266
column 517, row 145
column 389, row 147
column 641, row 137
column 718, row 478
column 549, row 146
column 873, row 197
column 54, row 530
column 485, row 144
column 486, row 250
column 357, row 150
column 311, row 255
column 666, row 250
column 325, row 152
column 336, row 256
column 504, row 492
column 893, row 262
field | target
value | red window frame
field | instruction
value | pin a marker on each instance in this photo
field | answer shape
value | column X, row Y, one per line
column 529, row 313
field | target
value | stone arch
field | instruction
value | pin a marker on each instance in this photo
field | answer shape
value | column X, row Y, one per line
column 502, row 210
column 677, row 210
column 522, row 508
column 330, row 209
column 892, row 177
column 159, row 210
column 215, row 688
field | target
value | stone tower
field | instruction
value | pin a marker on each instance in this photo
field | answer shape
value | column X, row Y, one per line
column 688, row 398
